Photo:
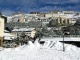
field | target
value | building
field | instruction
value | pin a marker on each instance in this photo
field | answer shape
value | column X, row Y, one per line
column 64, row 17
column 33, row 33
column 1, row 30
column 28, row 31
column 35, row 12
column 8, row 36
column 21, row 19
column 18, row 17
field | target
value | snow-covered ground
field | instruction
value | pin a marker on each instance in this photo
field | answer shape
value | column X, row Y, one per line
column 50, row 50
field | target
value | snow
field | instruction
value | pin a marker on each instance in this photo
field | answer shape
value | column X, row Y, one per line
column 23, row 29
column 59, row 38
column 8, row 34
column 6, row 31
column 37, row 44
column 50, row 50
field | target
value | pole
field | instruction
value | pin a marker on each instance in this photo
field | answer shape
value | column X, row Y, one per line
column 41, row 23
column 63, row 42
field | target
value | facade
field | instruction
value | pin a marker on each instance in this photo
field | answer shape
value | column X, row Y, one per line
column 65, row 17
column 28, row 31
column 21, row 19
column 33, row 33
column 1, row 30
column 8, row 36
column 62, row 17
column 16, row 18
column 64, row 20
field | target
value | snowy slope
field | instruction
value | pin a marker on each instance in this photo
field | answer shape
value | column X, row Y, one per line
column 49, row 51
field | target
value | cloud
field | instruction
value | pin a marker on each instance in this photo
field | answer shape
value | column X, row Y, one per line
column 9, row 6
column 75, row 1
column 60, row 1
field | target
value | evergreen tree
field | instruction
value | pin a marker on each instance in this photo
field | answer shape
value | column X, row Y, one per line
column 53, row 23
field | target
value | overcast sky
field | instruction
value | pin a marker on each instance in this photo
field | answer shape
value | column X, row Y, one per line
column 10, row 6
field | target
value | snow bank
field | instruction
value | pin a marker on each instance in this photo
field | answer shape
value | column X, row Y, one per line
column 29, row 46
column 1, row 48
column 46, row 44
column 50, row 50
column 37, row 45
column 56, row 45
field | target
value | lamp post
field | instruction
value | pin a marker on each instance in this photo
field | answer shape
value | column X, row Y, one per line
column 63, row 42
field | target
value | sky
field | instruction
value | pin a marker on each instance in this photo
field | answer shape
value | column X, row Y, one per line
column 8, row 7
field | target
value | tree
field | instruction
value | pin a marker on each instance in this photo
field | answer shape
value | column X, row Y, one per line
column 72, row 32
column 77, row 32
column 44, row 30
column 53, row 23
column 39, row 35
column 9, row 29
column 22, row 37
column 77, row 22
column 59, row 32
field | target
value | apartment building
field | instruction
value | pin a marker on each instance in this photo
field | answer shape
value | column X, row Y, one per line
column 28, row 31
column 64, row 17
column 21, row 17
column 18, row 17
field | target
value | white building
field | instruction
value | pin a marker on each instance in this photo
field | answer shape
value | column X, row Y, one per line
column 8, row 36
column 28, row 31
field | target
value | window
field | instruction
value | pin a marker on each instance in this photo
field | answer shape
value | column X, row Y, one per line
column 63, row 21
column 68, row 21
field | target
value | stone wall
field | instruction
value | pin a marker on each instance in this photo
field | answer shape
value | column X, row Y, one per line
column 1, row 41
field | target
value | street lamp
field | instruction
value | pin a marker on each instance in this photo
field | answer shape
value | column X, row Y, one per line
column 63, row 41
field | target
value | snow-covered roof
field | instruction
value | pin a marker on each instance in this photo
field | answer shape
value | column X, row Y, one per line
column 6, row 31
column 8, row 38
column 24, row 29
column 7, row 34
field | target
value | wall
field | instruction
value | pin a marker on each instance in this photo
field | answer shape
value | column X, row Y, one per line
column 33, row 33
column 1, row 30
